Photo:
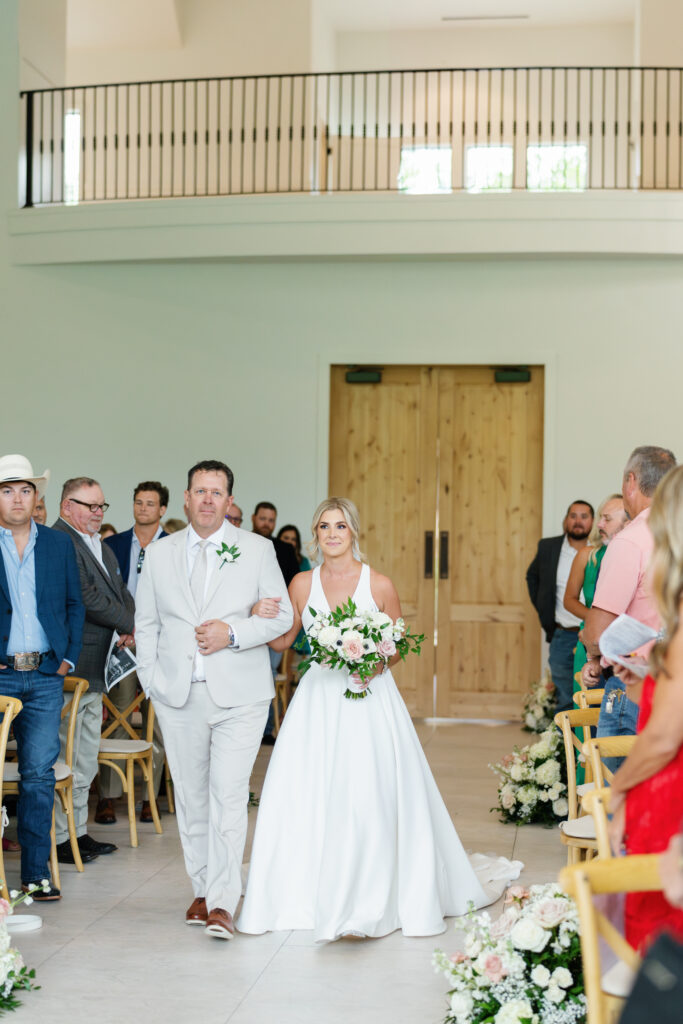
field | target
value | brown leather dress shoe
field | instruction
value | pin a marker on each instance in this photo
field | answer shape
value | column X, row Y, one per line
column 105, row 813
column 197, row 912
column 219, row 924
column 146, row 812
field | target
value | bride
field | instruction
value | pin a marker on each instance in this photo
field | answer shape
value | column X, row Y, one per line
column 352, row 836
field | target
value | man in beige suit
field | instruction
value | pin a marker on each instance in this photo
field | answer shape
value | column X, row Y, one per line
column 203, row 660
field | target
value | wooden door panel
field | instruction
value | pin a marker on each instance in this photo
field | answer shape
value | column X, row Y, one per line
column 382, row 456
column 490, row 504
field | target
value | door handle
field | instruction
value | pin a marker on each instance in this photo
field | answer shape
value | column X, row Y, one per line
column 429, row 555
column 443, row 555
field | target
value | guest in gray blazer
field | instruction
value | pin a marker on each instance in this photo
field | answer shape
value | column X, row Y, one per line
column 108, row 607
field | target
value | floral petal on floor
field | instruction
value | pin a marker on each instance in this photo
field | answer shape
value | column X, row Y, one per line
column 523, row 968
column 533, row 782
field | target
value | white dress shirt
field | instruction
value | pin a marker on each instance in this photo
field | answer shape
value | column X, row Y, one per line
column 94, row 542
column 213, row 543
column 567, row 556
column 135, row 549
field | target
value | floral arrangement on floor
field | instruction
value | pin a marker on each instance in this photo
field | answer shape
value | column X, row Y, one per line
column 357, row 642
column 524, row 968
column 533, row 782
column 539, row 705
column 14, row 975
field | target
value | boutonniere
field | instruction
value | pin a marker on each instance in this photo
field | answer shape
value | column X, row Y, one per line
column 227, row 554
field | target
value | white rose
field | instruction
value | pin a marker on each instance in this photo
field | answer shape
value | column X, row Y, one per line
column 551, row 912
column 555, row 994
column 548, row 773
column 526, row 934
column 561, row 807
column 540, row 976
column 328, row 636
column 562, row 977
column 461, row 1005
column 353, row 635
column 507, row 797
column 513, row 1012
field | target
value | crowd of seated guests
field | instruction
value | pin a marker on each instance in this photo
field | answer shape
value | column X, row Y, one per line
column 64, row 594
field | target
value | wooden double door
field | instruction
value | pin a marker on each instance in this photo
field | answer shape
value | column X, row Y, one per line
column 445, row 466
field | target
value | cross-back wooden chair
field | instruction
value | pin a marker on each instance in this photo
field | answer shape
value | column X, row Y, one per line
column 9, row 709
column 606, row 991
column 129, row 752
column 598, row 748
column 588, row 699
column 597, row 804
column 63, row 777
column 578, row 831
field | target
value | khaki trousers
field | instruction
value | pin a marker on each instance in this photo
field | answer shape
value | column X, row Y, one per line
column 86, row 749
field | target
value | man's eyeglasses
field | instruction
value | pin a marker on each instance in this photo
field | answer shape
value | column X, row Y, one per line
column 141, row 558
column 94, row 507
column 235, row 520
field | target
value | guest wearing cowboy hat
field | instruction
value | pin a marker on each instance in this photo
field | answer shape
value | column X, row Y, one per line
column 41, row 625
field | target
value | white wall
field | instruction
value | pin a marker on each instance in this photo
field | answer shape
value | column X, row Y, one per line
column 598, row 45
column 42, row 35
column 218, row 39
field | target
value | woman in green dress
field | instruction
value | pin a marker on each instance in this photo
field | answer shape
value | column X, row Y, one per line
column 583, row 577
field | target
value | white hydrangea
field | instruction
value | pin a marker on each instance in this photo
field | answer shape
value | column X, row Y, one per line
column 527, row 795
column 548, row 773
column 517, row 771
column 561, row 807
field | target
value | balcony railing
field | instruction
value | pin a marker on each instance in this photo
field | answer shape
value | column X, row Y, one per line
column 486, row 129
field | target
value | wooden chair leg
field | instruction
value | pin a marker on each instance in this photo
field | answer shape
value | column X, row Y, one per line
column 130, row 787
column 148, row 772
column 54, row 863
column 170, row 798
column 67, row 798
column 276, row 712
column 3, row 880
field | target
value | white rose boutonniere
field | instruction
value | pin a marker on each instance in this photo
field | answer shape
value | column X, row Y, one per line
column 228, row 555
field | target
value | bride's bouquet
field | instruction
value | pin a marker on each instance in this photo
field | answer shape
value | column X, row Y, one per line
column 357, row 642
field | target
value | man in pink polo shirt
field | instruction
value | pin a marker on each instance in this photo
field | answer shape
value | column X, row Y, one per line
column 623, row 585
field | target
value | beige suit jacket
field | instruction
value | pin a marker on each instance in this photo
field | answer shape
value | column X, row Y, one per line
column 166, row 617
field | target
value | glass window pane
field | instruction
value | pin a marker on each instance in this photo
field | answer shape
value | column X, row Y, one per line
column 557, row 168
column 488, row 168
column 425, row 170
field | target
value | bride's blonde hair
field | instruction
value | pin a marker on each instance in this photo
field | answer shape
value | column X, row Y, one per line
column 666, row 524
column 350, row 514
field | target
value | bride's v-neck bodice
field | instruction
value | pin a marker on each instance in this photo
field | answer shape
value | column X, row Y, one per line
column 361, row 597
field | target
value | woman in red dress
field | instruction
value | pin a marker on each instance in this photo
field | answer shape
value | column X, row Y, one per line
column 647, row 791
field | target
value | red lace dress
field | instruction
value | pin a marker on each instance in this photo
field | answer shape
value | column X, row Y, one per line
column 654, row 813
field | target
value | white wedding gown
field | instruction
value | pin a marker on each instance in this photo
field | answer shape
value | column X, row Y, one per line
column 352, row 836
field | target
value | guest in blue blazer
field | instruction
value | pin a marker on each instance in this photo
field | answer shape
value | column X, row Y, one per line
column 150, row 501
column 41, row 624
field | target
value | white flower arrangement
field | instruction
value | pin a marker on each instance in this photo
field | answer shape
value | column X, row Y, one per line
column 532, row 787
column 14, row 975
column 539, row 705
column 523, row 968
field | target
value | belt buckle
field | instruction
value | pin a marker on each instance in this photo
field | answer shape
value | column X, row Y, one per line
column 26, row 662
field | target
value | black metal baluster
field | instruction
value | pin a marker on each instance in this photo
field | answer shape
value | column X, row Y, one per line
column 28, row 148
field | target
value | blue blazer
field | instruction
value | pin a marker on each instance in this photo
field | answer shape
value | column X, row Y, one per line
column 120, row 544
column 58, row 596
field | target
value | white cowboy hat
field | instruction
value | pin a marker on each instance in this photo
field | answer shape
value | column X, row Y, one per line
column 15, row 468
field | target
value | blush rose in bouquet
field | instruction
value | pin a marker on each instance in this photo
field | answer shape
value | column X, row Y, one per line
column 357, row 642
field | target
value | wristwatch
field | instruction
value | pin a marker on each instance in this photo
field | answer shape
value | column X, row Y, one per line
column 231, row 637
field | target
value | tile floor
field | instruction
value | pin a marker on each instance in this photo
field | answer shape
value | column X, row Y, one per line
column 116, row 947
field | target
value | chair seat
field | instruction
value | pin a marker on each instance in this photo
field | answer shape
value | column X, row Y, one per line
column 585, row 787
column 124, row 746
column 579, row 828
column 618, row 980
column 11, row 772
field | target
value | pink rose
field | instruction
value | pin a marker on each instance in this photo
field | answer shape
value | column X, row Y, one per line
column 386, row 648
column 549, row 913
column 503, row 926
column 4, row 909
column 507, row 760
column 459, row 958
column 516, row 893
column 493, row 968
column 352, row 649
column 550, row 687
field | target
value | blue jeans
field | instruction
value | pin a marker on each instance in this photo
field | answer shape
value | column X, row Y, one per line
column 620, row 721
column 561, row 662
column 36, row 729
